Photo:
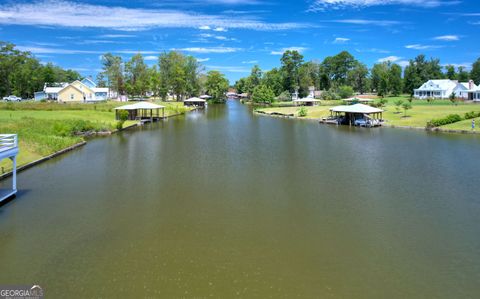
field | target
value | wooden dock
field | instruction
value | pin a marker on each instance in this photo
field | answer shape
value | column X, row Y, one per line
column 9, row 150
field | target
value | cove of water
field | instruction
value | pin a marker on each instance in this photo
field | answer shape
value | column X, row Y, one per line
column 225, row 203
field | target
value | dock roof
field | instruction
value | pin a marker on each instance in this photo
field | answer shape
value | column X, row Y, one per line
column 140, row 106
column 357, row 108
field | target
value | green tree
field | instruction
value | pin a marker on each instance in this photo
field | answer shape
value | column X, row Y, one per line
column 263, row 94
column 273, row 79
column 451, row 73
column 406, row 106
column 358, row 77
column 113, row 69
column 136, row 76
column 395, row 79
column 291, row 62
column 475, row 72
column 337, row 67
column 463, row 75
column 216, row 86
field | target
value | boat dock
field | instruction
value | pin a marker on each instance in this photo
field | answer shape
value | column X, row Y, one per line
column 9, row 150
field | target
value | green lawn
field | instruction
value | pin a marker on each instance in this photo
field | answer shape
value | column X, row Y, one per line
column 45, row 128
column 418, row 116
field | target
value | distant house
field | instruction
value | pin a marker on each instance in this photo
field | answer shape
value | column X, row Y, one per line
column 77, row 91
column 443, row 89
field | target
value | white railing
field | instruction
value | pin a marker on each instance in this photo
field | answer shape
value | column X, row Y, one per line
column 8, row 141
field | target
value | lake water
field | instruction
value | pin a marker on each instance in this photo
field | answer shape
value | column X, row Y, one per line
column 224, row 203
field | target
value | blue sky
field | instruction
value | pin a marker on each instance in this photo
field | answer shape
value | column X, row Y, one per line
column 233, row 35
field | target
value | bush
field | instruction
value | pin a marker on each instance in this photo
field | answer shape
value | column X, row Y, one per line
column 302, row 112
column 119, row 124
column 345, row 91
column 450, row 119
column 123, row 115
column 284, row 97
column 473, row 114
column 263, row 94
column 329, row 95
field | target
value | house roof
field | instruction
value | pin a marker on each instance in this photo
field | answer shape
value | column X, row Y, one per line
column 140, row 106
column 195, row 100
column 357, row 108
column 53, row 89
column 100, row 89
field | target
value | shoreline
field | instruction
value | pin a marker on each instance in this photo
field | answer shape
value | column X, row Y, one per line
column 437, row 129
column 76, row 146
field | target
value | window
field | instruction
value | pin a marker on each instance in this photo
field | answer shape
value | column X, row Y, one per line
column 72, row 96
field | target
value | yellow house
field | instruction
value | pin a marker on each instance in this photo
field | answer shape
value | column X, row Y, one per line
column 76, row 92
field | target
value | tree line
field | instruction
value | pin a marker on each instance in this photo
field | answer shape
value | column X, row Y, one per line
column 341, row 75
column 22, row 74
column 175, row 74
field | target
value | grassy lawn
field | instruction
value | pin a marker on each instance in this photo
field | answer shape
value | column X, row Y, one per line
column 465, row 125
column 418, row 116
column 45, row 128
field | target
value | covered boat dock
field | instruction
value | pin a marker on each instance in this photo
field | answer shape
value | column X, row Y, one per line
column 195, row 102
column 142, row 111
column 306, row 102
column 357, row 115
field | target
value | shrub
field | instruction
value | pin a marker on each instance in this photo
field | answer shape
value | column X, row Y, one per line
column 263, row 94
column 450, row 119
column 406, row 106
column 398, row 104
column 123, row 115
column 472, row 114
column 345, row 91
column 119, row 124
column 302, row 112
column 329, row 95
column 284, row 97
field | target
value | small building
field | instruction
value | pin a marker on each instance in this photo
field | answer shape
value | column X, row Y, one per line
column 194, row 102
column 141, row 111
column 357, row 115
column 443, row 89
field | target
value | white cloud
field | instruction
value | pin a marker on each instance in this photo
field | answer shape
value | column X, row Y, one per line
column 150, row 57
column 368, row 22
column 82, row 15
column 209, row 50
column 250, row 62
column 341, row 40
column 321, row 5
column 204, row 28
column 389, row 59
column 116, row 35
column 48, row 50
column 203, row 59
column 466, row 65
column 447, row 38
column 283, row 50
column 220, row 29
column 422, row 47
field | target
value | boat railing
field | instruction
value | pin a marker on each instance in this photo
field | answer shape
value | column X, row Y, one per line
column 8, row 141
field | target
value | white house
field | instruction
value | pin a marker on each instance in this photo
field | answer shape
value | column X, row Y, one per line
column 443, row 89
column 88, row 88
